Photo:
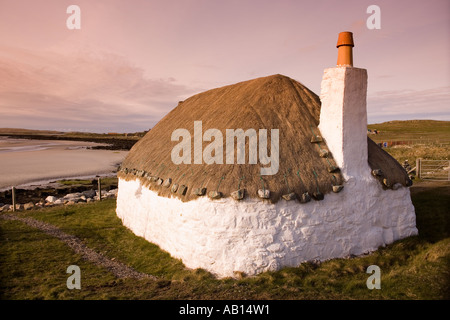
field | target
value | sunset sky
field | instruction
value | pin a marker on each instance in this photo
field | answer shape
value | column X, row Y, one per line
column 132, row 61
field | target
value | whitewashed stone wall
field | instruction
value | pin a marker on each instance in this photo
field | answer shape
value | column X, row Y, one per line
column 343, row 119
column 252, row 236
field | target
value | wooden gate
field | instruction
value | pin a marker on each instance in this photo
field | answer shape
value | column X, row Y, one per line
column 438, row 170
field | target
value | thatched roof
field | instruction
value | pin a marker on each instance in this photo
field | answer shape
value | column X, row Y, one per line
column 385, row 168
column 274, row 102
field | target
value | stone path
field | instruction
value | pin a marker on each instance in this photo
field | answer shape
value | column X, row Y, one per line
column 119, row 269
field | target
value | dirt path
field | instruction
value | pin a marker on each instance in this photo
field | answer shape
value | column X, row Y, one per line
column 119, row 269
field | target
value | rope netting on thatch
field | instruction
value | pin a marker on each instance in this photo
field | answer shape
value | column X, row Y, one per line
column 306, row 167
column 385, row 168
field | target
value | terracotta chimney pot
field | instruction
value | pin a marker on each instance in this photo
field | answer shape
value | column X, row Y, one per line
column 345, row 45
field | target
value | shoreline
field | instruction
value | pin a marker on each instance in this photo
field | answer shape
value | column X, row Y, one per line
column 53, row 183
column 106, row 143
column 26, row 164
column 57, row 194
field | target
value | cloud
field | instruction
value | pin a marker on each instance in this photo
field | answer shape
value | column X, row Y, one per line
column 410, row 104
column 86, row 90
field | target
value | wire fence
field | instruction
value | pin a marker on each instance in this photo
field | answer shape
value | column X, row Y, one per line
column 425, row 142
column 437, row 170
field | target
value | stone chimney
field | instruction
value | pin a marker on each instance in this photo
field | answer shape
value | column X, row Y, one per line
column 343, row 114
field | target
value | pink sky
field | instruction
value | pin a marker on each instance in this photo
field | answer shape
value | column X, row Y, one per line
column 132, row 61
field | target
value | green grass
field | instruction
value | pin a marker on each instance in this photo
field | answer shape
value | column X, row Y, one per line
column 427, row 139
column 99, row 227
column 33, row 264
column 411, row 129
column 75, row 182
column 106, row 182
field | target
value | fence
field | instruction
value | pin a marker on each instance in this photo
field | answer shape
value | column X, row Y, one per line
column 427, row 142
column 438, row 170
column 13, row 194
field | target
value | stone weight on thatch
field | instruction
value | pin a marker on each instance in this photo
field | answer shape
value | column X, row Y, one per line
column 332, row 169
column 318, row 195
column 264, row 193
column 182, row 190
column 377, row 172
column 289, row 196
column 338, row 188
column 199, row 191
column 167, row 182
column 324, row 153
column 140, row 173
column 174, row 188
column 238, row 194
column 215, row 195
column 305, row 197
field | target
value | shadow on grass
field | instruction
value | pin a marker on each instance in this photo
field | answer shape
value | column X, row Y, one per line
column 432, row 202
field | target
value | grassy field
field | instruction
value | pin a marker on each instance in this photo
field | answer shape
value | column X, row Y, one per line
column 33, row 264
column 106, row 182
column 426, row 139
column 412, row 129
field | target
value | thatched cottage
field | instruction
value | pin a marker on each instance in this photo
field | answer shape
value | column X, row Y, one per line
column 332, row 191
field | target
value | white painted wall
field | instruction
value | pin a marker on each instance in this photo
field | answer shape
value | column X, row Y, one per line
column 252, row 236
column 343, row 119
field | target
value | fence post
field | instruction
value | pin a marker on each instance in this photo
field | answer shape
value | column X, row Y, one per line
column 99, row 190
column 13, row 194
column 418, row 167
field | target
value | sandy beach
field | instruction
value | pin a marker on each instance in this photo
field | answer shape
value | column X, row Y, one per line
column 32, row 161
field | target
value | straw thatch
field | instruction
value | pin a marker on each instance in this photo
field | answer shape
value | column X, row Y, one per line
column 274, row 102
column 385, row 168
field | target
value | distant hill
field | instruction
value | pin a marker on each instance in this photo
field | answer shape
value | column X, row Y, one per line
column 29, row 132
column 390, row 130
column 16, row 131
column 113, row 141
column 410, row 130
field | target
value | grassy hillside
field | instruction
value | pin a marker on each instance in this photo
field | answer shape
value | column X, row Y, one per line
column 114, row 141
column 18, row 131
column 66, row 135
column 411, row 130
column 426, row 139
